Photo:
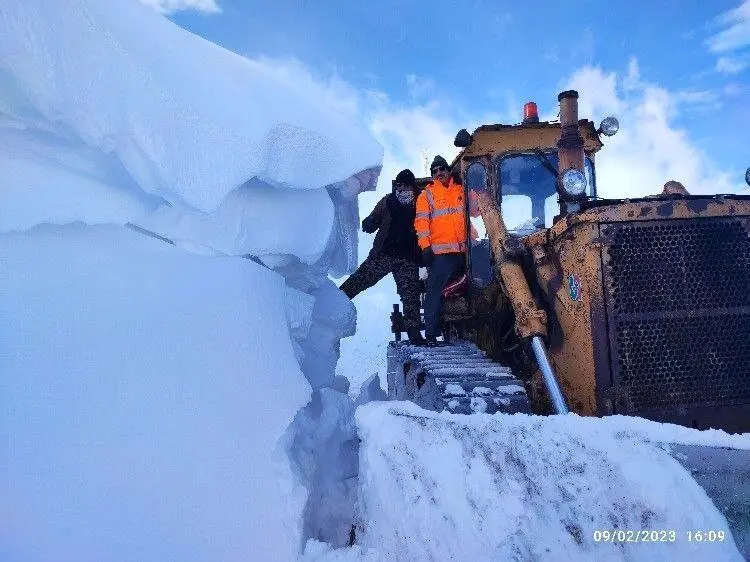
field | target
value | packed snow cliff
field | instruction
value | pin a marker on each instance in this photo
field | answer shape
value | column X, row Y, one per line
column 155, row 380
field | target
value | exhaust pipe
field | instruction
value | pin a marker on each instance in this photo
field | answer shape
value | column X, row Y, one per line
column 570, row 145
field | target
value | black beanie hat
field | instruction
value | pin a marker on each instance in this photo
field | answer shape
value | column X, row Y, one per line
column 439, row 161
column 406, row 177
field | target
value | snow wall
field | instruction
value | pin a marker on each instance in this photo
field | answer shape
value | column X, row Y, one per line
column 168, row 334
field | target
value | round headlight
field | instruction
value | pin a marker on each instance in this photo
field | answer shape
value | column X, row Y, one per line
column 573, row 182
column 609, row 126
column 747, row 176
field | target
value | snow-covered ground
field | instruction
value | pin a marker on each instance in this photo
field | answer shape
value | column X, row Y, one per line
column 438, row 486
column 172, row 216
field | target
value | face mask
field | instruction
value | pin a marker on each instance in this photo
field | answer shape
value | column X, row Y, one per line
column 405, row 197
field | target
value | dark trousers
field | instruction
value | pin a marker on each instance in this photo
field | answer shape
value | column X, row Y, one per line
column 443, row 267
column 406, row 275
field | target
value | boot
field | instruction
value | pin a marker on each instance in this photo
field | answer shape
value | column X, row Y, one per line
column 432, row 341
column 415, row 336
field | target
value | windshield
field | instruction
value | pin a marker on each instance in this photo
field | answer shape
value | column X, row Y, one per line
column 527, row 189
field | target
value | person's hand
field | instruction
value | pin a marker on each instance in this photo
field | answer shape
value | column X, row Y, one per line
column 368, row 225
column 428, row 256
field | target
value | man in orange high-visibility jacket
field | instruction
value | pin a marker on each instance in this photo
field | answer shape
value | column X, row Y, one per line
column 440, row 223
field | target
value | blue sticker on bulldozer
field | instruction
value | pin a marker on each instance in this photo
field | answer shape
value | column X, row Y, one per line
column 574, row 287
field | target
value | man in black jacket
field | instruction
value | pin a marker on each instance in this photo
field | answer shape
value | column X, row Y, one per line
column 395, row 251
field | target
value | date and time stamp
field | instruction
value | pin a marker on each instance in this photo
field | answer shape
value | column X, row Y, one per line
column 657, row 536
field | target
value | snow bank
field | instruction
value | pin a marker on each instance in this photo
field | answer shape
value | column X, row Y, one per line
column 156, row 382
column 162, row 128
column 145, row 392
column 188, row 120
column 448, row 487
column 157, row 402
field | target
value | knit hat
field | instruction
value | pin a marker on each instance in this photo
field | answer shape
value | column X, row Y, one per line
column 406, row 177
column 439, row 161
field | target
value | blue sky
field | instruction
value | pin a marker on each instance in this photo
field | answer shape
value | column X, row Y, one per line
column 473, row 58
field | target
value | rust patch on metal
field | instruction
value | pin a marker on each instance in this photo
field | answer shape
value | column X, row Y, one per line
column 498, row 139
column 665, row 210
column 697, row 205
column 555, row 284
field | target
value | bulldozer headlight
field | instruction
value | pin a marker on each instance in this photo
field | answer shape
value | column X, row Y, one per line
column 573, row 183
column 609, row 126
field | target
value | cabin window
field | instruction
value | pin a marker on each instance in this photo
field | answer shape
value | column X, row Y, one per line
column 476, row 176
column 528, row 197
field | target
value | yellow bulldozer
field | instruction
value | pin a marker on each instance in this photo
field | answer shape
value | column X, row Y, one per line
column 571, row 302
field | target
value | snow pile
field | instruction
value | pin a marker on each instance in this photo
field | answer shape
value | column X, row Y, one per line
column 156, row 402
column 161, row 120
column 187, row 119
column 446, row 487
column 155, row 380
column 142, row 422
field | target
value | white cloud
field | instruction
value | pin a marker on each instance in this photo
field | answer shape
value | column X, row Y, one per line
column 649, row 149
column 632, row 81
column 733, row 40
column 598, row 91
column 737, row 32
column 732, row 65
column 696, row 96
column 170, row 6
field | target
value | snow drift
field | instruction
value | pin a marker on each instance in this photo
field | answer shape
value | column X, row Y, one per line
column 102, row 123
column 156, row 381
column 438, row 486
column 187, row 119
column 138, row 421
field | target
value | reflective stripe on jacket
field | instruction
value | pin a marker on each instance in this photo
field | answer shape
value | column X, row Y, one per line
column 440, row 221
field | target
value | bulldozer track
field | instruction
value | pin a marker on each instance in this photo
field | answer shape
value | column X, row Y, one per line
column 456, row 377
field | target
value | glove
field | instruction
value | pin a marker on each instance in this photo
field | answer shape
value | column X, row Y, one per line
column 369, row 225
column 428, row 256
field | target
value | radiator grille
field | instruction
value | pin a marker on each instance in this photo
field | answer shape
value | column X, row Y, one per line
column 678, row 303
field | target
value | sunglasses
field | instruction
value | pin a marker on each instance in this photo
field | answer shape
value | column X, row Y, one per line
column 438, row 169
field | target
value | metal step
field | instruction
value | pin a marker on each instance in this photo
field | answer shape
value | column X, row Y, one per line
column 458, row 378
